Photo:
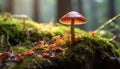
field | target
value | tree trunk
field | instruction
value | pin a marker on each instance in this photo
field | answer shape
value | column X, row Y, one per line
column 10, row 5
column 64, row 6
column 36, row 11
column 80, row 6
column 1, row 40
column 111, row 8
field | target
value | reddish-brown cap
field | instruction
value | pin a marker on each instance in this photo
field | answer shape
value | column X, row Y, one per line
column 67, row 18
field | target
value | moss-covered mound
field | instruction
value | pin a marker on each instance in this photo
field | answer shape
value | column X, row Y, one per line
column 15, row 31
column 39, row 46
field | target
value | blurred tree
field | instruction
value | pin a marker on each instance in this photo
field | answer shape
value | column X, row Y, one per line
column 80, row 6
column 36, row 11
column 76, row 5
column 111, row 5
column 10, row 4
column 94, row 15
column 64, row 6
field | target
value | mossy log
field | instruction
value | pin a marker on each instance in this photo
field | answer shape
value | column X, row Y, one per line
column 88, row 52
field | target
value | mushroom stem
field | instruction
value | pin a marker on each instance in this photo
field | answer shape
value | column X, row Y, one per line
column 72, row 31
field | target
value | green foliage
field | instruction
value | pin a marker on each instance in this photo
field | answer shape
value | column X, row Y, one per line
column 117, row 51
column 95, row 46
column 19, row 49
column 12, row 29
column 17, row 31
column 25, row 32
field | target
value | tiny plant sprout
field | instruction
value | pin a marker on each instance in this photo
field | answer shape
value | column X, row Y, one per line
column 72, row 18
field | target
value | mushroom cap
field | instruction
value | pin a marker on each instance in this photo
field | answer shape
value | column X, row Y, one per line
column 67, row 18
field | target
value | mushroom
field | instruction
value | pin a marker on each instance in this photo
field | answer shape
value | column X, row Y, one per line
column 72, row 18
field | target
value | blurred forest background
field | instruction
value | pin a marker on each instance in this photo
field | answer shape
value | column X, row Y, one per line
column 96, row 11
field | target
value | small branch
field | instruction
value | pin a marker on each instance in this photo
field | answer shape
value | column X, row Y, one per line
column 1, row 40
column 25, row 28
column 9, row 44
column 108, row 22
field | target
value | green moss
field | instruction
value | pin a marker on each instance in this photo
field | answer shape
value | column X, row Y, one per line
column 117, row 51
column 94, row 47
column 16, row 31
column 19, row 49
column 88, row 45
